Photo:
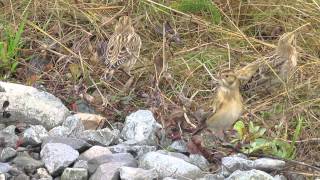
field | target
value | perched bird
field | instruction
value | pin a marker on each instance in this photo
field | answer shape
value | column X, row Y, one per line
column 228, row 103
column 123, row 48
column 276, row 68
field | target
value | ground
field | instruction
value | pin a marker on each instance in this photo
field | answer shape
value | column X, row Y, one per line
column 55, row 45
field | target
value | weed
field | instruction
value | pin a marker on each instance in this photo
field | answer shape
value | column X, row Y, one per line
column 9, row 47
column 199, row 6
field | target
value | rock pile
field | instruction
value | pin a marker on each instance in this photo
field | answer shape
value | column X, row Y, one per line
column 53, row 144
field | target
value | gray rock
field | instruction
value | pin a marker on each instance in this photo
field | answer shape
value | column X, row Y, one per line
column 7, row 154
column 169, row 178
column 27, row 163
column 74, row 174
column 279, row 177
column 94, row 152
column 32, row 106
column 43, row 174
column 2, row 126
column 5, row 167
column 199, row 161
column 57, row 156
column 129, row 173
column 2, row 176
column 10, row 129
column 179, row 145
column 75, row 126
column 135, row 150
column 22, row 177
column 175, row 154
column 141, row 127
column 268, row 164
column 8, row 139
column 167, row 166
column 100, row 137
column 108, row 171
column 212, row 177
column 34, row 135
column 60, row 131
column 235, row 162
column 81, row 164
column 113, row 160
column 252, row 174
column 77, row 144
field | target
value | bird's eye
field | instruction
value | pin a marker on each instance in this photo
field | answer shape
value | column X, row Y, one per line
column 227, row 76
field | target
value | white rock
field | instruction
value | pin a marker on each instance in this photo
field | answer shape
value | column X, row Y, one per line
column 130, row 173
column 60, row 131
column 252, row 174
column 74, row 174
column 167, row 166
column 268, row 164
column 101, row 136
column 141, row 126
column 32, row 106
column 57, row 156
column 75, row 126
column 35, row 135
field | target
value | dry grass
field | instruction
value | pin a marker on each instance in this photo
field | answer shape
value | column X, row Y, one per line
column 60, row 33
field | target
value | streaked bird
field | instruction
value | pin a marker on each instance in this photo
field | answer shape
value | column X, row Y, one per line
column 276, row 68
column 123, row 48
column 228, row 103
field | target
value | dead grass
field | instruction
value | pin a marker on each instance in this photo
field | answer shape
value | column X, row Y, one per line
column 60, row 34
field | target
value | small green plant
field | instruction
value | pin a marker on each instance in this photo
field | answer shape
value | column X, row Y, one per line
column 10, row 44
column 254, row 140
column 199, row 6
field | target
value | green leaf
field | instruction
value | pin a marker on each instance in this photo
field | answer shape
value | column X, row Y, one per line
column 240, row 128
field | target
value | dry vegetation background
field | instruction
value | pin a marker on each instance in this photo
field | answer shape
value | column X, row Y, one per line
column 59, row 49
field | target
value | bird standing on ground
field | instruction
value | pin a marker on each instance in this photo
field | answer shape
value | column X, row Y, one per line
column 228, row 105
column 123, row 48
column 280, row 64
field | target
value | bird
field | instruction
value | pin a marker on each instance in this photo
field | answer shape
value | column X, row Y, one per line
column 123, row 48
column 275, row 68
column 228, row 102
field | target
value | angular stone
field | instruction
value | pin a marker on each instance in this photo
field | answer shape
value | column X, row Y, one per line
column 75, row 126
column 22, row 177
column 57, row 156
column 212, row 177
column 34, row 135
column 129, row 173
column 60, row 131
column 268, row 164
column 94, row 152
column 77, row 144
column 112, row 160
column 2, row 176
column 8, row 139
column 7, row 154
column 135, row 150
column 141, row 127
column 43, row 174
column 179, row 145
column 199, row 161
column 167, row 165
column 81, row 164
column 32, row 106
column 101, row 136
column 91, row 121
column 252, row 174
column 74, row 174
column 235, row 162
column 27, row 163
column 5, row 167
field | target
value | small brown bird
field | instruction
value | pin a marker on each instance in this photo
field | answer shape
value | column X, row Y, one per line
column 228, row 105
column 123, row 48
column 280, row 64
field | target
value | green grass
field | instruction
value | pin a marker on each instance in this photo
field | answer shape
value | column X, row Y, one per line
column 205, row 7
column 10, row 44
